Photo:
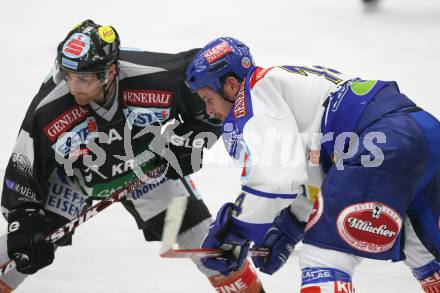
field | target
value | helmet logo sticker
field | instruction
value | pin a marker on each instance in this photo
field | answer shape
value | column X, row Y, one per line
column 246, row 62
column 107, row 34
column 69, row 63
column 217, row 52
column 76, row 46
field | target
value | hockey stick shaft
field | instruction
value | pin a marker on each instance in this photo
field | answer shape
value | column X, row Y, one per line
column 208, row 252
column 87, row 214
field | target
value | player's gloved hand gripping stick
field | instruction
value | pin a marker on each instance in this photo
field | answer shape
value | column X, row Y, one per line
column 88, row 213
column 216, row 249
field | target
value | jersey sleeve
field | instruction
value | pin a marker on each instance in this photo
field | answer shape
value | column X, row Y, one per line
column 28, row 169
column 273, row 158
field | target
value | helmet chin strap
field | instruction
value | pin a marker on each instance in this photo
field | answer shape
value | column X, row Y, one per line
column 109, row 88
column 225, row 97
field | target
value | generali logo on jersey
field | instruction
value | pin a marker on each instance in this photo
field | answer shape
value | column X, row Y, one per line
column 217, row 52
column 371, row 226
column 147, row 98
column 65, row 122
column 240, row 103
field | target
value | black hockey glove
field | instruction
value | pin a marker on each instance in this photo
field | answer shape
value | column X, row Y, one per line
column 26, row 245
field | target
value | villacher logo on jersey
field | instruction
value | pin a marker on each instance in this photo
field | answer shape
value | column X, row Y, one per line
column 371, row 226
column 65, row 122
column 147, row 98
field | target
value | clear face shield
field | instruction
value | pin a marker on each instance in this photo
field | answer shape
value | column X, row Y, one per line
column 80, row 80
column 83, row 80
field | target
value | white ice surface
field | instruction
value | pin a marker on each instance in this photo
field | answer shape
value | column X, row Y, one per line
column 399, row 42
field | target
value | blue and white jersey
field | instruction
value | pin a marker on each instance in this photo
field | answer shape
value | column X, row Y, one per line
column 274, row 132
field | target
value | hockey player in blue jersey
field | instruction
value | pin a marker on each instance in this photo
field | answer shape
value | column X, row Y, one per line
column 376, row 150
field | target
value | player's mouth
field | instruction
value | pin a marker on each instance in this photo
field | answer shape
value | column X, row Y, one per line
column 218, row 116
column 81, row 99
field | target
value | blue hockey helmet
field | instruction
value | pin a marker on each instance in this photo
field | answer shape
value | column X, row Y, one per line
column 218, row 58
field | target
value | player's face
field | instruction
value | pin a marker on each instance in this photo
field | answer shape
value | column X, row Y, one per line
column 85, row 87
column 215, row 105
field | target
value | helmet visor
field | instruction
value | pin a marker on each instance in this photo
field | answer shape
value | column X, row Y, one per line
column 83, row 80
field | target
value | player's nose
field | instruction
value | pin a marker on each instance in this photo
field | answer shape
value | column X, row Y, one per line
column 74, row 86
column 209, row 109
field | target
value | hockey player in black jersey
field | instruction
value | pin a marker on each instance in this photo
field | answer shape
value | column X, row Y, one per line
column 94, row 127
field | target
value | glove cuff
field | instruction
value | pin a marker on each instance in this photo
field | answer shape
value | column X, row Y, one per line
column 28, row 220
column 223, row 227
column 290, row 225
column 23, row 213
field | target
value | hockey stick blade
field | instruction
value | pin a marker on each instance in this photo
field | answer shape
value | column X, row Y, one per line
column 173, row 220
column 207, row 252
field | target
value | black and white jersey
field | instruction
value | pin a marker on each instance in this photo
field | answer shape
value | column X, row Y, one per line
column 58, row 135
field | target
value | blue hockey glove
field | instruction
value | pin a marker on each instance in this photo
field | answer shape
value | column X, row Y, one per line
column 222, row 236
column 286, row 231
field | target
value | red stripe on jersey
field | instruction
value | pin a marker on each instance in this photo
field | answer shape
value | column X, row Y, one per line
column 258, row 74
column 245, row 161
column 313, row 289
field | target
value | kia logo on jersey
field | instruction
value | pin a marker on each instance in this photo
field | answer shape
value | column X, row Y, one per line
column 343, row 287
column 371, row 226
